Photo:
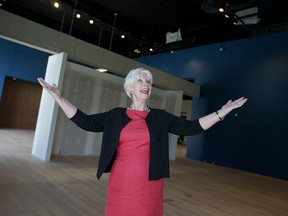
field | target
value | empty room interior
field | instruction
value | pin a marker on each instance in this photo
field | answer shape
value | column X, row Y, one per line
column 209, row 126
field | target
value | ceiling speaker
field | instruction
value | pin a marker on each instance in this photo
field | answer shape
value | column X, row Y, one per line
column 210, row 6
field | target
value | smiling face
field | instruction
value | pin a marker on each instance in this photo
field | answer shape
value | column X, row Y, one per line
column 141, row 89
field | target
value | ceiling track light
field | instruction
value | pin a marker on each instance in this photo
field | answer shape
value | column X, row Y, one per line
column 2, row 2
column 221, row 10
column 56, row 5
column 237, row 16
column 78, row 15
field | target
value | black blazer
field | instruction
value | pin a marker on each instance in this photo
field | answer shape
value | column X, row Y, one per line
column 159, row 123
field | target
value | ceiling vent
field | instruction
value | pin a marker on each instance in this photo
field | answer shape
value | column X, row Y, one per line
column 248, row 16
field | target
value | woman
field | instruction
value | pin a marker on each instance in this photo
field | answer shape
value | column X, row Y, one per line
column 135, row 144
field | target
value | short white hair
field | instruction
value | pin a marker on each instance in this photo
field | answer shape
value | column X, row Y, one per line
column 133, row 75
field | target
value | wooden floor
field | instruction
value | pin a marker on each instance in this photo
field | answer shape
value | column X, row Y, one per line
column 67, row 186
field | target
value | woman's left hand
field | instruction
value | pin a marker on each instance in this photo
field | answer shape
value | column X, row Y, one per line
column 209, row 120
column 230, row 105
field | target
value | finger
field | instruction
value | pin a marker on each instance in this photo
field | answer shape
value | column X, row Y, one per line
column 41, row 82
column 240, row 102
column 229, row 102
column 242, row 98
column 46, row 85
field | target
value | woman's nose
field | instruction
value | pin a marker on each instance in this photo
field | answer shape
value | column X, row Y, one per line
column 147, row 82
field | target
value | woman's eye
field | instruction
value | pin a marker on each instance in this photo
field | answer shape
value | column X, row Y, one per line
column 140, row 80
column 148, row 81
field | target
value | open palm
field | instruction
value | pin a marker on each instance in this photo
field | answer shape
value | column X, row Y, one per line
column 51, row 89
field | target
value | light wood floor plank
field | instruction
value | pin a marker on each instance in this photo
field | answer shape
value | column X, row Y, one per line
column 67, row 186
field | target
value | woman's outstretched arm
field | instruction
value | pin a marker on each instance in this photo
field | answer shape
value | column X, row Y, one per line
column 209, row 120
column 68, row 108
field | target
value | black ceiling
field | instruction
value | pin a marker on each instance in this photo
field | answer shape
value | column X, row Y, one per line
column 146, row 22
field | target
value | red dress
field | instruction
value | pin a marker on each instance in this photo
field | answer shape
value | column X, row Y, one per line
column 130, row 193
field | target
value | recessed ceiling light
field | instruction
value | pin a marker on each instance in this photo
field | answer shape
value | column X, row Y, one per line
column 101, row 70
column 91, row 21
column 78, row 15
column 122, row 36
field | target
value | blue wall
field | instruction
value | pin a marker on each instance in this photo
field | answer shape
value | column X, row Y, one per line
column 20, row 62
column 254, row 137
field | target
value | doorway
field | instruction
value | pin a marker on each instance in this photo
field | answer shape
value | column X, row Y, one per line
column 19, row 104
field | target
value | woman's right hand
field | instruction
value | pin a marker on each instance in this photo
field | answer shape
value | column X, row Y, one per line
column 51, row 89
column 68, row 108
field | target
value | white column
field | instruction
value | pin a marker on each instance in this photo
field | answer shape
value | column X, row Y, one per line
column 48, row 110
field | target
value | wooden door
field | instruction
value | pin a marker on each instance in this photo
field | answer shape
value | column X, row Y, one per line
column 19, row 104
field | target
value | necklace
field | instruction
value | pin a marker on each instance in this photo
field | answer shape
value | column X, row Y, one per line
column 146, row 108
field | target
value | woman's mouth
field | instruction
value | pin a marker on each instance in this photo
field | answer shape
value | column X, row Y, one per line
column 144, row 91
